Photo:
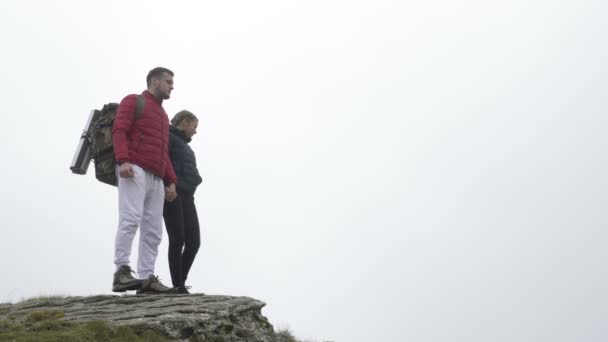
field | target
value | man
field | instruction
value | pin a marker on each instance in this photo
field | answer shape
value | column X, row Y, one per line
column 141, row 152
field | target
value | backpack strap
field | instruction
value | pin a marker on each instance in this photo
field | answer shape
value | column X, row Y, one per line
column 141, row 101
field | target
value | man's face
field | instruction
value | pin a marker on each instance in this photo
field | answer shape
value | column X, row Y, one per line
column 163, row 86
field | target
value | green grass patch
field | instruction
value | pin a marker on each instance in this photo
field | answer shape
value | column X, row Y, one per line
column 44, row 315
column 43, row 299
column 48, row 325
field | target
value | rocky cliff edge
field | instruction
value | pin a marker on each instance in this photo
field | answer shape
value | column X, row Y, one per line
column 179, row 317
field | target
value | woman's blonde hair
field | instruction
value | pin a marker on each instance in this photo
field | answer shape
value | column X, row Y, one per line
column 181, row 116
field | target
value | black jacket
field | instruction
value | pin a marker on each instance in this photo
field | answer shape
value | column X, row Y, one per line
column 184, row 162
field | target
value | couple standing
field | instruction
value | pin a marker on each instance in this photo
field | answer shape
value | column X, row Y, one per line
column 157, row 178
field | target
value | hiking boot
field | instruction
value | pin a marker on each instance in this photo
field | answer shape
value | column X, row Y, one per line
column 124, row 280
column 153, row 285
column 182, row 289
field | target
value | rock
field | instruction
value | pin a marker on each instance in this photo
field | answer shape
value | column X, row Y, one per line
column 180, row 317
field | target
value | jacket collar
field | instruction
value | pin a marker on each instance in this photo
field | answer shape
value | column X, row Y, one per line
column 150, row 96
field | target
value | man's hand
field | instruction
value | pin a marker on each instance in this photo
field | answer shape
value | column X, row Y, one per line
column 170, row 193
column 125, row 170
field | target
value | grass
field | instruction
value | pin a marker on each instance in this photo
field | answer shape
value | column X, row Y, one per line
column 43, row 299
column 285, row 335
column 48, row 326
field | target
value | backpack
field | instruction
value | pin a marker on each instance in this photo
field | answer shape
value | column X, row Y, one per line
column 100, row 135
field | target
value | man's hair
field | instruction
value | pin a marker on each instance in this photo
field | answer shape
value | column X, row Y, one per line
column 181, row 116
column 157, row 73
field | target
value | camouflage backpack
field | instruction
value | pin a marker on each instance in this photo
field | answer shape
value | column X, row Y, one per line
column 102, row 149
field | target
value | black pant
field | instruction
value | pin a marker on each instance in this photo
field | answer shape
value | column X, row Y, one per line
column 182, row 226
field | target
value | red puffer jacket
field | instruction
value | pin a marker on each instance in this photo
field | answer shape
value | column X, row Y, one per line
column 145, row 141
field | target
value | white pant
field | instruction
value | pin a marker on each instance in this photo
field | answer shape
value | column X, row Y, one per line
column 140, row 203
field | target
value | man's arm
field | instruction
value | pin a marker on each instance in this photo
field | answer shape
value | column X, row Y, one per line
column 170, row 180
column 123, row 121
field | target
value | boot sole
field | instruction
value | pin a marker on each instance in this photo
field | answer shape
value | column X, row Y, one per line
column 126, row 287
column 139, row 291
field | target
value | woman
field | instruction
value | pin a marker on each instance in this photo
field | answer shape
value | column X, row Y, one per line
column 180, row 215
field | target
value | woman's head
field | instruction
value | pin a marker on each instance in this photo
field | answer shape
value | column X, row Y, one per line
column 186, row 122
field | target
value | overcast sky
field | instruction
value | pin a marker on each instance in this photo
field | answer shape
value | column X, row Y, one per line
column 373, row 170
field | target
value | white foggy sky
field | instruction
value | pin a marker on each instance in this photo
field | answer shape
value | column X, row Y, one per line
column 373, row 170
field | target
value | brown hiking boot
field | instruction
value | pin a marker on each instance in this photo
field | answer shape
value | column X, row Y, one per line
column 153, row 285
column 124, row 280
